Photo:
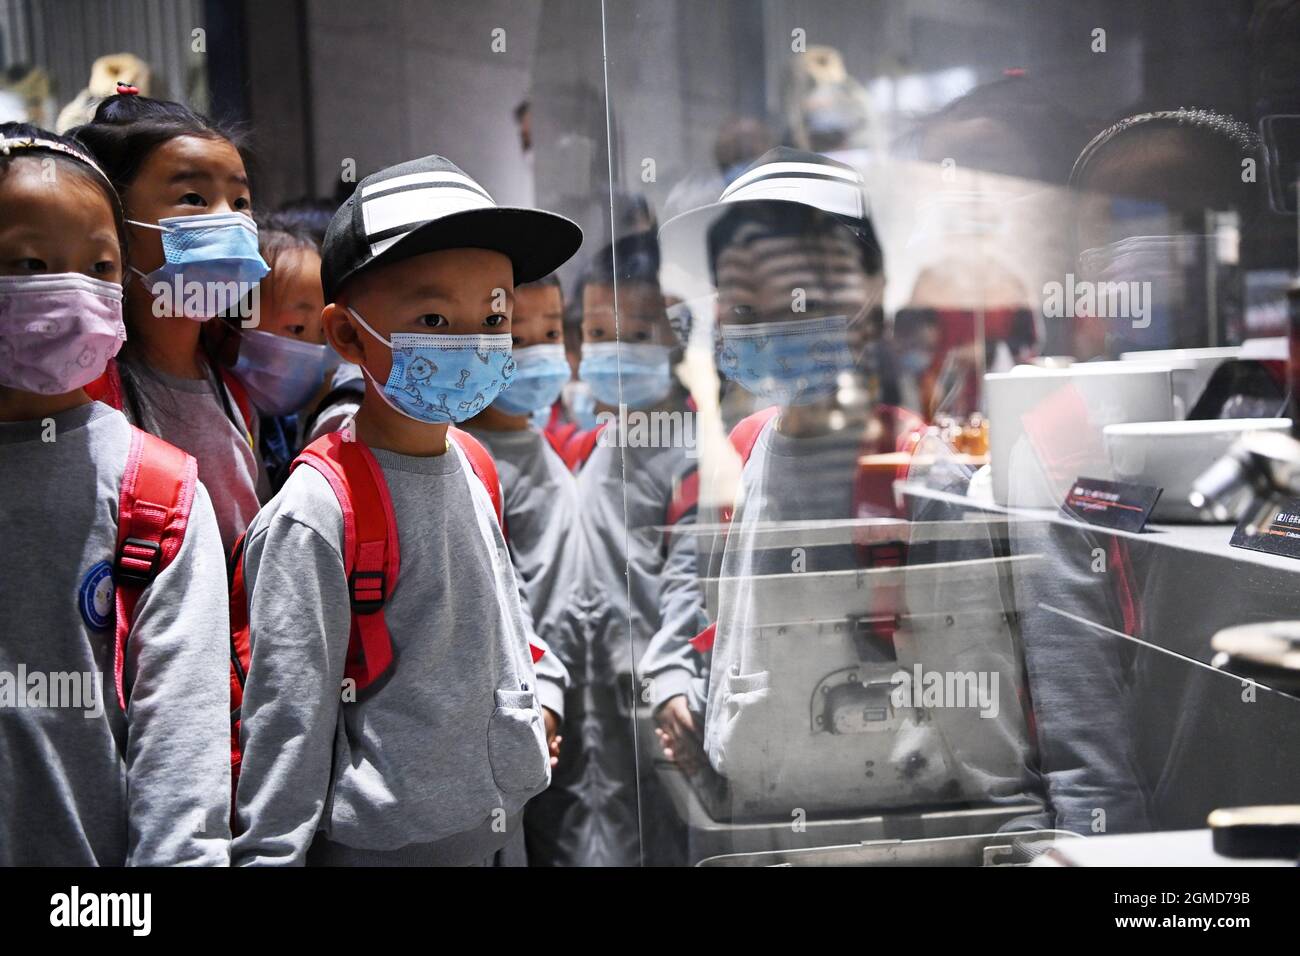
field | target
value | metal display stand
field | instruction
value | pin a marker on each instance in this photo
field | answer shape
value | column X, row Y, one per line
column 980, row 849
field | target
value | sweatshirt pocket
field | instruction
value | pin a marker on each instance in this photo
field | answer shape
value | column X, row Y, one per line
column 746, row 690
column 517, row 743
column 740, row 734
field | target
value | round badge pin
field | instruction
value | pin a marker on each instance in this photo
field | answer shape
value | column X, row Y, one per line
column 95, row 597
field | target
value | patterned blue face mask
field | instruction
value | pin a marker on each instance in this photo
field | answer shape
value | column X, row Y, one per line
column 213, row 249
column 646, row 373
column 791, row 363
column 540, row 374
column 441, row 379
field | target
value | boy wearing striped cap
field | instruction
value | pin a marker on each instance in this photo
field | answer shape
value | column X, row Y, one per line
column 433, row 762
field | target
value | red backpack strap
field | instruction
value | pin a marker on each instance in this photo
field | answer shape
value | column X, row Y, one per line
column 108, row 387
column 558, row 431
column 703, row 641
column 240, row 655
column 580, row 446
column 556, row 439
column 745, row 435
column 682, row 503
column 685, row 497
column 743, row 438
column 153, row 512
column 371, row 550
column 240, row 395
column 484, row 468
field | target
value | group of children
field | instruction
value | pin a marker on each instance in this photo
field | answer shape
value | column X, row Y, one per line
column 274, row 606
column 309, row 569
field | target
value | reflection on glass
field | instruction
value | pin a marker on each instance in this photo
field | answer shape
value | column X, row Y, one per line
column 951, row 290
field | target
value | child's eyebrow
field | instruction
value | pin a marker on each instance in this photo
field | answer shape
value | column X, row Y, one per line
column 187, row 174
column 428, row 292
column 198, row 174
column 438, row 292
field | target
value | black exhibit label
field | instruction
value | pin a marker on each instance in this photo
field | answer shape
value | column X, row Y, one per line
column 1120, row 505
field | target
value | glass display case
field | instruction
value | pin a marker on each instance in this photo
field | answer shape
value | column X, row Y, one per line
column 946, row 288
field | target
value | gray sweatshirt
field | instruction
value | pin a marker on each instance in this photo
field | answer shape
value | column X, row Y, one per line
column 637, row 578
column 189, row 414
column 670, row 662
column 539, row 501
column 772, row 656
column 1082, row 679
column 85, row 784
column 449, row 743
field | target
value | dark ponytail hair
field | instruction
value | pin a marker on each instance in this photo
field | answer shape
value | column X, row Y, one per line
column 128, row 127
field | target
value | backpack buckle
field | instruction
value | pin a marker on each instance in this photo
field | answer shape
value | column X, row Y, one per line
column 145, row 560
column 367, row 591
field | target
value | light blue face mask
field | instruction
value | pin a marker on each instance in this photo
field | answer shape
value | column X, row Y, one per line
column 647, row 376
column 441, row 379
column 539, row 418
column 790, row 363
column 540, row 374
column 580, row 404
column 281, row 373
column 213, row 249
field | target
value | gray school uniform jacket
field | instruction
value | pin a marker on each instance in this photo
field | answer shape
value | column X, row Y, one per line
column 640, row 586
column 85, row 784
column 450, row 742
column 539, row 502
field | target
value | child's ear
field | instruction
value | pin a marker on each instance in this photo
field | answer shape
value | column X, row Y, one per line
column 341, row 334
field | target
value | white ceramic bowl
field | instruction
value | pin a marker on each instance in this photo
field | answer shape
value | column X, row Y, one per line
column 1100, row 393
column 1192, row 370
column 1173, row 455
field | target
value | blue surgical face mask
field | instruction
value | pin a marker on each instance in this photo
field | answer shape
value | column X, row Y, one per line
column 213, row 249
column 580, row 404
column 281, row 374
column 441, row 379
column 790, row 363
column 645, row 370
column 540, row 374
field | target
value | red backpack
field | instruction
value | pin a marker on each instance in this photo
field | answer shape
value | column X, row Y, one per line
column 372, row 560
column 153, row 512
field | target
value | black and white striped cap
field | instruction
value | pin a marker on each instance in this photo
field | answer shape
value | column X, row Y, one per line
column 429, row 204
column 782, row 181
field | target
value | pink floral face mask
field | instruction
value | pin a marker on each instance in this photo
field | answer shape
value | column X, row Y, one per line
column 57, row 332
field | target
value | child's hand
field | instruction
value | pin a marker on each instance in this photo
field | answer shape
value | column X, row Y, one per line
column 553, row 738
column 678, row 735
